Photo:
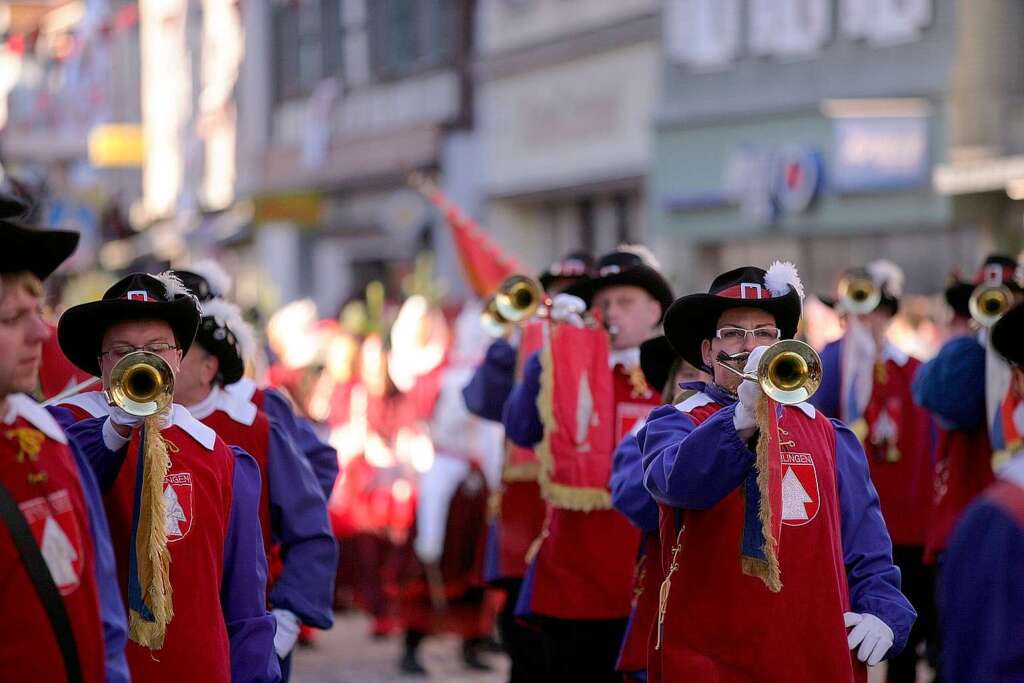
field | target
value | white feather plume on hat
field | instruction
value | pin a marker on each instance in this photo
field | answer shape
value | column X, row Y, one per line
column 173, row 285
column 645, row 254
column 888, row 276
column 214, row 274
column 229, row 316
column 781, row 276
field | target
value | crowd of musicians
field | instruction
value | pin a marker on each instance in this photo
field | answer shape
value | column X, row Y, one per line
column 619, row 483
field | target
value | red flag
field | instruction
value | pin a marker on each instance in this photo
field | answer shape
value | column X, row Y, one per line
column 577, row 407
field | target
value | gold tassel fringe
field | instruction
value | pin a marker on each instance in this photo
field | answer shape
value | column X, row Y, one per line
column 766, row 570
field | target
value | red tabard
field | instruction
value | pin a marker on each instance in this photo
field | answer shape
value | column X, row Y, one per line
column 56, row 512
column 963, row 469
column 586, row 559
column 722, row 626
column 646, row 585
column 521, row 519
column 901, row 471
column 196, row 646
column 254, row 439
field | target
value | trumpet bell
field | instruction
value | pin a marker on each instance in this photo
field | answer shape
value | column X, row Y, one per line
column 493, row 323
column 518, row 298
column 141, row 384
column 789, row 372
column 859, row 294
column 988, row 303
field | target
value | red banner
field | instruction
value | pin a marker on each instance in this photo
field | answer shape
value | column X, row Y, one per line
column 577, row 407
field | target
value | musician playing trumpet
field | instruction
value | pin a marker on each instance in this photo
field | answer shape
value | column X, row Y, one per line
column 776, row 559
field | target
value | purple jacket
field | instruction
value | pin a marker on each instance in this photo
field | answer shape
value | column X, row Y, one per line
column 492, row 382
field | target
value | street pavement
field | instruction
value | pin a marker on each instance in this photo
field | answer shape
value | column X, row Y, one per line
column 347, row 654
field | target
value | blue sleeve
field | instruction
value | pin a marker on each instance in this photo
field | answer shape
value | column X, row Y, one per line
column 874, row 581
column 112, row 611
column 321, row 456
column 243, row 593
column 692, row 467
column 951, row 386
column 981, row 598
column 487, row 391
column 826, row 398
column 298, row 514
column 105, row 464
column 522, row 420
column 628, row 493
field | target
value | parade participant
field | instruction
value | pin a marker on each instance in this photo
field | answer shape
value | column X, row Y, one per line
column 867, row 383
column 301, row 551
column 981, row 594
column 521, row 510
column 762, row 583
column 952, row 387
column 190, row 559
column 585, row 543
column 207, row 280
column 60, row 581
column 664, row 369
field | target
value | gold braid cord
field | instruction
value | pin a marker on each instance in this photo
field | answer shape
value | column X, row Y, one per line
column 768, row 569
column 578, row 498
column 152, row 556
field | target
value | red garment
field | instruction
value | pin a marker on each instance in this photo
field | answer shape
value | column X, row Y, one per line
column 723, row 626
column 901, row 468
column 585, row 564
column 1009, row 496
column 519, row 522
column 646, row 586
column 963, row 469
column 196, row 645
column 56, row 511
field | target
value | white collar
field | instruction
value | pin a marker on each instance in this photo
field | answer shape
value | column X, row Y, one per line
column 92, row 402
column 238, row 409
column 20, row 405
column 183, row 419
column 627, row 358
column 244, row 388
column 1014, row 469
column 892, row 352
column 693, row 402
column 807, row 409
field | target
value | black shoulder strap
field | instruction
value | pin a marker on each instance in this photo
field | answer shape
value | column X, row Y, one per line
column 37, row 570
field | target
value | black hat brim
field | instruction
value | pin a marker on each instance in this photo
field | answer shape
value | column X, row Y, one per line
column 958, row 297
column 1008, row 335
column 39, row 252
column 231, row 365
column 657, row 360
column 693, row 318
column 642, row 276
column 80, row 330
column 548, row 278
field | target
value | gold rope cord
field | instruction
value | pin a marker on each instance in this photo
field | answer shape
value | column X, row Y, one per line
column 152, row 556
column 768, row 569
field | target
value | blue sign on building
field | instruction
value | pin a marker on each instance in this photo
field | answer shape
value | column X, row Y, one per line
column 871, row 154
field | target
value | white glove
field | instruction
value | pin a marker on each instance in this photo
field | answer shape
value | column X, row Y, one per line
column 872, row 634
column 287, row 631
column 124, row 419
column 567, row 308
column 749, row 394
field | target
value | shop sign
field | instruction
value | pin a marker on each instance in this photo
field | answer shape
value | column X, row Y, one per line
column 872, row 154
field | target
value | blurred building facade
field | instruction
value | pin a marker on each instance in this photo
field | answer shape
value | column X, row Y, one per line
column 810, row 131
column 564, row 98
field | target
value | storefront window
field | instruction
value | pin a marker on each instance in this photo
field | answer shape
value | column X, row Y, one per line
column 308, row 40
column 407, row 36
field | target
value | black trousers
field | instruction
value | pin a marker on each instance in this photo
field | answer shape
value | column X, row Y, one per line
column 582, row 650
column 919, row 586
column 522, row 641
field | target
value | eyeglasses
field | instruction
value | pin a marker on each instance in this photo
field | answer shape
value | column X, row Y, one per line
column 735, row 336
column 120, row 351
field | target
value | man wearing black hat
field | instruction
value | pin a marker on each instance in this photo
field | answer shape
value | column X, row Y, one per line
column 60, row 587
column 767, row 556
column 210, row 623
column 867, row 383
column 591, row 551
column 981, row 588
column 301, row 551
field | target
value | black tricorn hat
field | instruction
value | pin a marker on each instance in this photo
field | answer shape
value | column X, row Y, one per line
column 576, row 265
column 693, row 318
column 39, row 252
column 999, row 270
column 1008, row 335
column 138, row 296
column 657, row 360
column 624, row 266
column 958, row 295
column 224, row 334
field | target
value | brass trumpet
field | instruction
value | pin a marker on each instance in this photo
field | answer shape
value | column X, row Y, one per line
column 789, row 372
column 518, row 298
column 494, row 323
column 141, row 384
column 858, row 293
column 989, row 302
